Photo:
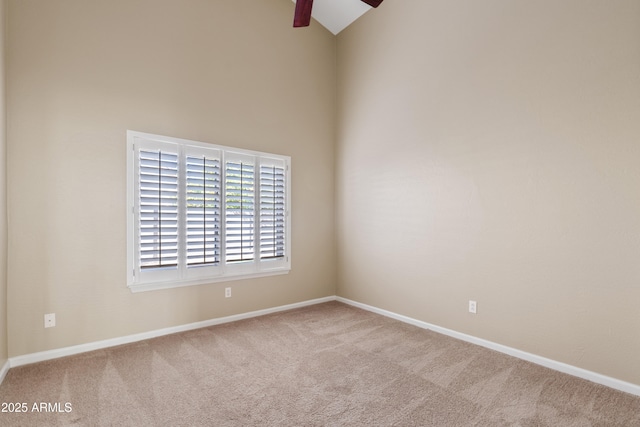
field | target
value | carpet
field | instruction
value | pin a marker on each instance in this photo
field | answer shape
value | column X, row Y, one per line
column 325, row 365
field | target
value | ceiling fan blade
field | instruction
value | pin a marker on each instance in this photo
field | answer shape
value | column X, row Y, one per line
column 373, row 3
column 302, row 16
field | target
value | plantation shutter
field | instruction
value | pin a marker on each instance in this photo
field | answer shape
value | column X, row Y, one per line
column 239, row 210
column 202, row 210
column 158, row 208
column 272, row 211
column 201, row 213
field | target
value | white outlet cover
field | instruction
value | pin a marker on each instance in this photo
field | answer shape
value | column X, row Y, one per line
column 49, row 320
column 473, row 307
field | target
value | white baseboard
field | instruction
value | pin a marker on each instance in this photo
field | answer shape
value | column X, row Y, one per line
column 98, row 345
column 539, row 360
column 4, row 370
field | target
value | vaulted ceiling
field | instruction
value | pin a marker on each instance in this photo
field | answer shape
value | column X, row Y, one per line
column 336, row 15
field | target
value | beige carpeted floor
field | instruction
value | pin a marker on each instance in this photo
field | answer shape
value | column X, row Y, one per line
column 325, row 365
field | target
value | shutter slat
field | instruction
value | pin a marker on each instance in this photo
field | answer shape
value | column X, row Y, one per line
column 203, row 210
column 239, row 211
column 272, row 212
column 158, row 209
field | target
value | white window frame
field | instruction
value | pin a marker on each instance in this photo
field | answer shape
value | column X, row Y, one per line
column 146, row 279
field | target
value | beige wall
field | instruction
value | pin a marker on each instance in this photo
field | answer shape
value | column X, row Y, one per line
column 485, row 150
column 83, row 72
column 489, row 150
column 3, row 196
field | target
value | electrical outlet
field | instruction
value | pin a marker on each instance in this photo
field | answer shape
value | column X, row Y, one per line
column 473, row 307
column 227, row 292
column 49, row 320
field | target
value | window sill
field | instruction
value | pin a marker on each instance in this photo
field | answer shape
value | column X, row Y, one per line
column 144, row 287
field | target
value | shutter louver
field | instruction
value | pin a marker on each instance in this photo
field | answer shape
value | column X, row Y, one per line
column 203, row 211
column 272, row 212
column 239, row 211
column 158, row 209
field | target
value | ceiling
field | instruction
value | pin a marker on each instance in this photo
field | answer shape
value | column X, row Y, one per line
column 336, row 15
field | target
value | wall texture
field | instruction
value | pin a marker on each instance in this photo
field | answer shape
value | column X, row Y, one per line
column 3, row 193
column 83, row 72
column 489, row 151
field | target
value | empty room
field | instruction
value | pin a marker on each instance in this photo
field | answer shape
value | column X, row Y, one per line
column 320, row 213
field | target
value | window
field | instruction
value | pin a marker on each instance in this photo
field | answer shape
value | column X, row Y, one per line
column 202, row 213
